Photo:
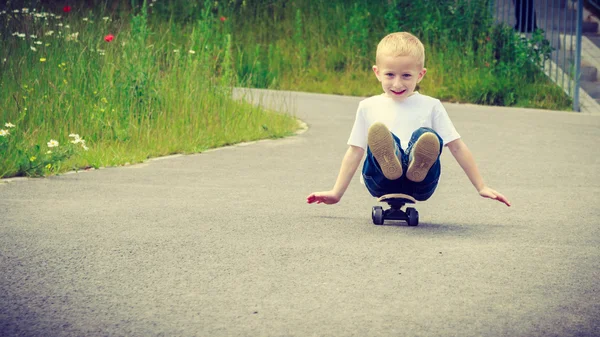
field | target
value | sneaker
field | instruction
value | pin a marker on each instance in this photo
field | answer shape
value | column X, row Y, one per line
column 424, row 154
column 385, row 151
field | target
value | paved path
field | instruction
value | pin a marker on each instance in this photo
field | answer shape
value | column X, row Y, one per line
column 223, row 244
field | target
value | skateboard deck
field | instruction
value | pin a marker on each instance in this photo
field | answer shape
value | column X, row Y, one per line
column 397, row 196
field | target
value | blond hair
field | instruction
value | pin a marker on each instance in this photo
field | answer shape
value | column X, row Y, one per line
column 401, row 44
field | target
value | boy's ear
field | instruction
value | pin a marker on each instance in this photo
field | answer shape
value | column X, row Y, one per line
column 376, row 71
column 421, row 74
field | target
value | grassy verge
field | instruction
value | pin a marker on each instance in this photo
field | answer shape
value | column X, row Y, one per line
column 122, row 90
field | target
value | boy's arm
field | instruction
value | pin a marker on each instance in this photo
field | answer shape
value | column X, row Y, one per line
column 350, row 163
column 465, row 159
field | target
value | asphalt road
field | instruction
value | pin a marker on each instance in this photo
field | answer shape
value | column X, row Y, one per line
column 223, row 243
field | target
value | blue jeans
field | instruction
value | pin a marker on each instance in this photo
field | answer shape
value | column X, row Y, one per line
column 379, row 185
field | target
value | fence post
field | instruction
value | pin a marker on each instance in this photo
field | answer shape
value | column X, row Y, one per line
column 577, row 74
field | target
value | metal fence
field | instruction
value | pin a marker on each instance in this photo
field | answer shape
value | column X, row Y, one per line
column 560, row 21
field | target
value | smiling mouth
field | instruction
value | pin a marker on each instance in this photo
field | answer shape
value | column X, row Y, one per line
column 398, row 92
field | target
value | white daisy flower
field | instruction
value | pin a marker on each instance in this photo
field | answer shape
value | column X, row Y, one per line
column 52, row 143
column 4, row 133
column 9, row 125
column 33, row 48
column 76, row 138
column 191, row 52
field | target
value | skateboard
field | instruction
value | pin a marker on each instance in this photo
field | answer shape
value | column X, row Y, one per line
column 396, row 202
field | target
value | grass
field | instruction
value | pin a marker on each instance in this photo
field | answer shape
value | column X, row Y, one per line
column 143, row 94
column 155, row 79
column 330, row 48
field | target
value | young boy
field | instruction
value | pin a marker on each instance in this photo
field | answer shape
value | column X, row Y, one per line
column 402, row 131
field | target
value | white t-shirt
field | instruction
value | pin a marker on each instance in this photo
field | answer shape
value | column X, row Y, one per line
column 402, row 118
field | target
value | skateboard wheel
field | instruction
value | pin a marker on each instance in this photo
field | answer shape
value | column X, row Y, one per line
column 413, row 216
column 377, row 215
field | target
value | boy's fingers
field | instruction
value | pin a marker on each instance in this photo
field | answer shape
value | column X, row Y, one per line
column 314, row 198
column 502, row 198
column 492, row 194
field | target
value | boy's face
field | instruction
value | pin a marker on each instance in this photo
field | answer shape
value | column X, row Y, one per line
column 398, row 75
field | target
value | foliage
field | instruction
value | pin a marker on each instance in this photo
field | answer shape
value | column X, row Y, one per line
column 469, row 59
column 134, row 88
column 34, row 160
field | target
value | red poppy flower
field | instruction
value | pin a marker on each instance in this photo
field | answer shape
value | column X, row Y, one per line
column 67, row 9
column 109, row 37
column 223, row 19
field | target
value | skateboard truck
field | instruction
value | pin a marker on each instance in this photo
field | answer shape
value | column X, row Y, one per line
column 395, row 212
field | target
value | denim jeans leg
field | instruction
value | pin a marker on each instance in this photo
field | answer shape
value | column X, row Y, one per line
column 424, row 190
column 377, row 184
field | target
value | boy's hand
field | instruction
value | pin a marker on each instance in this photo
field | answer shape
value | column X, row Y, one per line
column 487, row 192
column 327, row 197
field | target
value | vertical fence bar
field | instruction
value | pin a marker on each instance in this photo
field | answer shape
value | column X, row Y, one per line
column 525, row 8
column 564, row 45
column 551, row 37
column 520, row 19
column 579, row 24
column 571, row 56
column 546, row 17
column 530, row 12
column 557, row 61
column 504, row 11
column 546, row 63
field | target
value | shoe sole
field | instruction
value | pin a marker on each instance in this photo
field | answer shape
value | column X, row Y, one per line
column 382, row 146
column 425, row 153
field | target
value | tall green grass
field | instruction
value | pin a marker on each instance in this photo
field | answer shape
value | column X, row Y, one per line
column 151, row 91
column 163, row 84
column 469, row 59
